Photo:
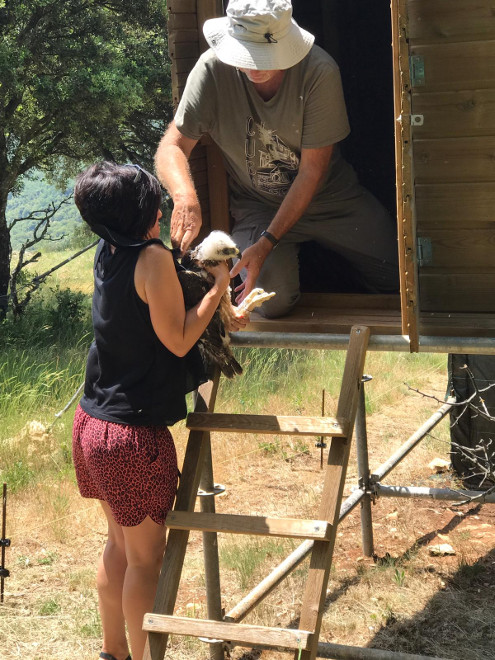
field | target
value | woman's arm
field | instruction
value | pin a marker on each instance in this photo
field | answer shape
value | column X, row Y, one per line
column 172, row 168
column 157, row 284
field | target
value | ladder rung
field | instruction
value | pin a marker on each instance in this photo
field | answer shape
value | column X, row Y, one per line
column 231, row 632
column 267, row 424
column 257, row 525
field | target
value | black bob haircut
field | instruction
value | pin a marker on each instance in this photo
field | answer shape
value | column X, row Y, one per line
column 123, row 198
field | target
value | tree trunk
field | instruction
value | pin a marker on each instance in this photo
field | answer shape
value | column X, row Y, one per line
column 5, row 254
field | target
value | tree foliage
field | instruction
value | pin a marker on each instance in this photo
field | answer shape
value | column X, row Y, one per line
column 80, row 80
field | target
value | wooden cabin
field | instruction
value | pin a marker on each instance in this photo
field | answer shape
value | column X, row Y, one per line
column 419, row 82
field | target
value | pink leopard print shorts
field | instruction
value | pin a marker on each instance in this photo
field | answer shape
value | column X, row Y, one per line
column 132, row 468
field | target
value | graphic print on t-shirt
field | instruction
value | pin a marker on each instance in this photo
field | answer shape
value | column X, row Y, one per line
column 272, row 166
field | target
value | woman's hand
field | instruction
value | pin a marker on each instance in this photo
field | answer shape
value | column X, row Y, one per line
column 221, row 275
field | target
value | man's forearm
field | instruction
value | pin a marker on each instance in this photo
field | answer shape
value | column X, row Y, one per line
column 172, row 168
column 295, row 203
column 313, row 167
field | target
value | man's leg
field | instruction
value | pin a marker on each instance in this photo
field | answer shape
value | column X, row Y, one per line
column 364, row 233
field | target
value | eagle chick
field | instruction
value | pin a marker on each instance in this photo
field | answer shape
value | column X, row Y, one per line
column 214, row 343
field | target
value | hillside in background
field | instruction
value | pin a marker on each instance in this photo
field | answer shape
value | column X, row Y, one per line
column 38, row 195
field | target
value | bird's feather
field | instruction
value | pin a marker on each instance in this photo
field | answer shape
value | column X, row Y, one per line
column 214, row 343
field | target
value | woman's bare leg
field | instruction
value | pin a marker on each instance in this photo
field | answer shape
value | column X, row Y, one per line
column 110, row 581
column 144, row 547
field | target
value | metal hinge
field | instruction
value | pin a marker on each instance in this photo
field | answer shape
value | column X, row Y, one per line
column 424, row 251
column 417, row 70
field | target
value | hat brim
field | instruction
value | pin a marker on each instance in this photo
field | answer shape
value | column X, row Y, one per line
column 263, row 56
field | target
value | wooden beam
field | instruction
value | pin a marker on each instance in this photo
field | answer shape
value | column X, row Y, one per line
column 168, row 583
column 276, row 424
column 338, row 455
column 232, row 632
column 256, row 525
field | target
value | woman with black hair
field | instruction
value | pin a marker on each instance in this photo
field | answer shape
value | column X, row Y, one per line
column 142, row 362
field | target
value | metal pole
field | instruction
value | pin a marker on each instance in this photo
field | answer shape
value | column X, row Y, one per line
column 4, row 542
column 301, row 552
column 421, row 492
column 268, row 584
column 308, row 340
column 341, row 652
column 364, row 471
column 412, row 441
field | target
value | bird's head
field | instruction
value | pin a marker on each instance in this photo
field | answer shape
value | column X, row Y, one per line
column 217, row 246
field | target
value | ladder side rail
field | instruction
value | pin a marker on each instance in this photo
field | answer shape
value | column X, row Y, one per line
column 173, row 560
column 319, row 570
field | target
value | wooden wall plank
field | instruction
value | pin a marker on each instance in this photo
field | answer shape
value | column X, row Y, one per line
column 464, row 113
column 182, row 22
column 179, row 50
column 184, row 64
column 455, row 160
column 457, row 292
column 454, row 66
column 183, row 36
column 459, row 204
column 461, row 246
column 182, row 6
column 450, row 20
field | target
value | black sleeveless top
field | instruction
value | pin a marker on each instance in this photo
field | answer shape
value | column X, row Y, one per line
column 131, row 377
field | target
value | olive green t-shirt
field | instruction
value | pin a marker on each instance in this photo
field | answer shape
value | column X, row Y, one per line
column 262, row 140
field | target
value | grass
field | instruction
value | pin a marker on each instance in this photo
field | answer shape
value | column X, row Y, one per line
column 398, row 602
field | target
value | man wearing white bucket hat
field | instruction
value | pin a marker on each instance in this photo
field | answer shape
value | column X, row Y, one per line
column 273, row 102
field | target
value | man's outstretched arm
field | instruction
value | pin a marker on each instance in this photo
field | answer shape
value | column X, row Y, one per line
column 172, row 168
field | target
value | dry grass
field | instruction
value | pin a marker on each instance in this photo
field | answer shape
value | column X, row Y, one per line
column 403, row 600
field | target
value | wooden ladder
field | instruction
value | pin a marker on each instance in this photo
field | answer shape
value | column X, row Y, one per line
column 322, row 531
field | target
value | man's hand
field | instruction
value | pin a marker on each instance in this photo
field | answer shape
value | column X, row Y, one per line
column 252, row 260
column 172, row 167
column 185, row 222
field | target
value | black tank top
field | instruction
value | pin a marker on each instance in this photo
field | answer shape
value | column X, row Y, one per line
column 131, row 377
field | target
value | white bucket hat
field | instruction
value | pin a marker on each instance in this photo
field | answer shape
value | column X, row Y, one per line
column 258, row 34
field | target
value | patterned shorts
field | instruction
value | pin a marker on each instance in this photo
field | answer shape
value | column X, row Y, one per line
column 132, row 468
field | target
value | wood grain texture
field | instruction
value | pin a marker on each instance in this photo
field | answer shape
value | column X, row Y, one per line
column 404, row 173
column 271, row 424
column 462, row 160
column 168, row 582
column 450, row 20
column 254, row 525
column 233, row 632
column 454, row 292
column 462, row 205
column 463, row 113
column 454, row 66
column 335, row 472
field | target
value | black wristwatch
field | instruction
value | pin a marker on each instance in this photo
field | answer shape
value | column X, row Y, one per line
column 274, row 241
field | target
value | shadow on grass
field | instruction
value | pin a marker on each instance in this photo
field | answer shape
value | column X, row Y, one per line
column 457, row 623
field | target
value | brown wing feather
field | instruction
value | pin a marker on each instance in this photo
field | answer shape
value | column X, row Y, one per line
column 214, row 343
